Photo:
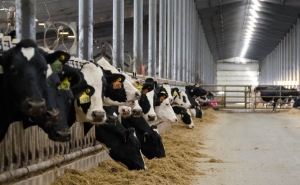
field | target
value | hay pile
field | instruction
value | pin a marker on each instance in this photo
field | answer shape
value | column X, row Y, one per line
column 293, row 111
column 181, row 145
column 209, row 116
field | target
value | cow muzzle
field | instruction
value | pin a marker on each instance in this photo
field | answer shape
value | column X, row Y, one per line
column 34, row 106
column 98, row 116
column 52, row 115
column 151, row 117
column 61, row 135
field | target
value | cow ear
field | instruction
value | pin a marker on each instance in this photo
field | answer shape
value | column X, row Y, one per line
column 61, row 56
column 73, row 77
column 115, row 77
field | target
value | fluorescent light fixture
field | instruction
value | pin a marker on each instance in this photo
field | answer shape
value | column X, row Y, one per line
column 71, row 36
column 252, row 24
column 64, row 33
column 250, row 28
column 41, row 24
column 256, row 3
column 256, row 8
column 244, row 50
column 253, row 13
column 253, row 19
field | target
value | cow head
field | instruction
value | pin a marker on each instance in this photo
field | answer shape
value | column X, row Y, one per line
column 183, row 115
column 180, row 98
column 130, row 92
column 165, row 112
column 195, row 91
column 25, row 69
column 89, row 106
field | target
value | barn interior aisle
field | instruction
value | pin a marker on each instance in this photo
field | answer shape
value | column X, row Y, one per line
column 251, row 148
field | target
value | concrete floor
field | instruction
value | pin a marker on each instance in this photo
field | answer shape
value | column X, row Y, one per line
column 256, row 149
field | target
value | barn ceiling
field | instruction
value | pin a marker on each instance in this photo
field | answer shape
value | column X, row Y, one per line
column 224, row 21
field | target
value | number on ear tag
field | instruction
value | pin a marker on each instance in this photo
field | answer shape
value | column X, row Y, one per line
column 84, row 98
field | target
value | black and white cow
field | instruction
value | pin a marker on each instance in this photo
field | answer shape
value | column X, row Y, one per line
column 193, row 92
column 275, row 93
column 23, row 82
column 151, row 141
column 184, row 116
column 130, row 91
column 163, row 108
column 57, row 94
column 180, row 98
column 122, row 143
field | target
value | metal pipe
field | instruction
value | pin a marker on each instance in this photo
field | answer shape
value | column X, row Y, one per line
column 176, row 26
column 25, row 19
column 162, row 39
column 170, row 38
column 46, row 164
column 152, row 38
column 180, row 38
column 118, row 34
column 297, row 49
column 183, row 62
column 138, row 36
column 85, row 28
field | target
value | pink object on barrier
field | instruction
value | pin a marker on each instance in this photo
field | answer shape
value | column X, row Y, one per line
column 212, row 103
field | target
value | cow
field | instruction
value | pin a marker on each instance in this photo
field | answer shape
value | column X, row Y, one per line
column 163, row 108
column 180, row 98
column 122, row 143
column 194, row 92
column 23, row 82
column 168, row 89
column 151, row 141
column 57, row 94
column 184, row 116
column 132, row 93
column 275, row 93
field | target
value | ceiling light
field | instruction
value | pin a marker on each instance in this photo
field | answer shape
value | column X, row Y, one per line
column 41, row 24
column 71, row 36
column 244, row 50
column 36, row 20
column 64, row 33
column 253, row 13
column 256, row 3
column 253, row 19
column 256, row 8
column 252, row 24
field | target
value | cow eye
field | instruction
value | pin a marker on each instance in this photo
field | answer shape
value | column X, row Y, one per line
column 167, row 104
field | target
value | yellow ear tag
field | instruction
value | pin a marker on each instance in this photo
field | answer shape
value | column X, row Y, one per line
column 182, row 115
column 65, row 84
column 139, row 87
column 56, row 66
column 175, row 93
column 1, row 70
column 62, row 57
column 117, row 84
column 84, row 98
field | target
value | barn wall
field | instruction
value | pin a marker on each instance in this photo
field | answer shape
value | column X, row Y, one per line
column 281, row 66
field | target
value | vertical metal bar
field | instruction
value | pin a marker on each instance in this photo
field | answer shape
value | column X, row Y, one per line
column 170, row 37
column 85, row 27
column 118, row 34
column 25, row 19
column 152, row 38
column 185, row 34
column 176, row 26
column 297, row 51
column 180, row 38
column 138, row 36
column 162, row 38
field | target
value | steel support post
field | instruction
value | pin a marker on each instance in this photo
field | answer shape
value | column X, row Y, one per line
column 25, row 19
column 180, row 38
column 170, row 38
column 85, row 29
column 152, row 38
column 162, row 38
column 185, row 33
column 297, row 50
column 138, row 36
column 118, row 34
column 176, row 27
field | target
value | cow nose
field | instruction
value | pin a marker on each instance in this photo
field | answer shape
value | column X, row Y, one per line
column 36, row 106
column 52, row 115
column 98, row 115
column 151, row 117
column 111, row 119
column 62, row 135
column 137, row 94
column 137, row 112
